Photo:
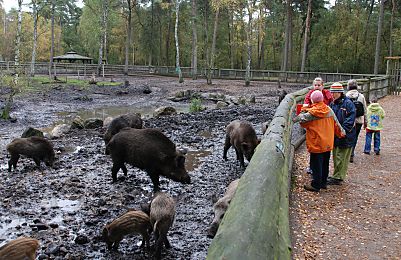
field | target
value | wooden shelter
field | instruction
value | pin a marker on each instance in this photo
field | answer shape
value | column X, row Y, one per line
column 72, row 57
column 394, row 71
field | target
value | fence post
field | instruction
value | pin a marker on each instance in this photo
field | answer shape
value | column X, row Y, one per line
column 368, row 91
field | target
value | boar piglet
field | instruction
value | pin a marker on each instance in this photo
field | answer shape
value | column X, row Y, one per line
column 242, row 136
column 35, row 147
column 220, row 208
column 149, row 150
column 132, row 222
column 118, row 123
column 20, row 248
column 162, row 214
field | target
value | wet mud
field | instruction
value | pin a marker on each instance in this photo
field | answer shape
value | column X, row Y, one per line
column 66, row 207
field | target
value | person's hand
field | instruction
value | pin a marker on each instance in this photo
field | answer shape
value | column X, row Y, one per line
column 364, row 125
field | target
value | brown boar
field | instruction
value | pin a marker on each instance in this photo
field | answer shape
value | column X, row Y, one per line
column 149, row 150
column 118, row 123
column 132, row 222
column 23, row 248
column 242, row 136
column 35, row 147
column 162, row 214
column 220, row 207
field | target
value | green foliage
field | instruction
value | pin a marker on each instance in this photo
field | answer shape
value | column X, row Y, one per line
column 196, row 105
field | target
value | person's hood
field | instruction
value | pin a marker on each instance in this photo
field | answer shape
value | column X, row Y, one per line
column 374, row 107
column 353, row 93
column 319, row 109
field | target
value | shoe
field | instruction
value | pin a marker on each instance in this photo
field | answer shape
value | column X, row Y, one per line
column 333, row 181
column 324, row 186
column 310, row 188
column 377, row 153
column 351, row 159
column 366, row 152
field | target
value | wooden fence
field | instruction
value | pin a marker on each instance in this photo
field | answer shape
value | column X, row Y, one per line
column 108, row 70
column 256, row 225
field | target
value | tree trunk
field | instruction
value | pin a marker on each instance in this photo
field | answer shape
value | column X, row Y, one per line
column 287, row 43
column 168, row 38
column 103, row 22
column 248, row 45
column 150, row 58
column 177, row 9
column 213, row 52
column 206, row 38
column 231, row 39
column 194, row 60
column 378, row 37
column 306, row 35
column 390, row 49
column 35, row 36
column 52, row 37
column 18, row 40
column 128, row 42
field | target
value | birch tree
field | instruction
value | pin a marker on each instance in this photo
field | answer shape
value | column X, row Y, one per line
column 103, row 35
column 35, row 16
column 18, row 39
column 53, row 4
column 177, row 46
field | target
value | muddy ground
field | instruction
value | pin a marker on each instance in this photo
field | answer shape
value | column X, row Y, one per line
column 67, row 206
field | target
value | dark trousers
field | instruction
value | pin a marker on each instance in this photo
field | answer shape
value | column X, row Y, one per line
column 358, row 130
column 319, row 163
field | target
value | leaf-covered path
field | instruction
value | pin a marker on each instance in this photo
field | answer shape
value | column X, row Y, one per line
column 360, row 219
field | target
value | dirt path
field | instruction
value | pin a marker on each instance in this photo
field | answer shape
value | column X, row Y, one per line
column 362, row 218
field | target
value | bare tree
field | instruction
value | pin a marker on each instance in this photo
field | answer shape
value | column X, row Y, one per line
column 35, row 15
column 53, row 4
column 378, row 37
column 177, row 46
column 194, row 60
column 213, row 51
column 288, row 39
column 103, row 35
column 250, row 7
column 306, row 35
column 391, row 28
column 128, row 42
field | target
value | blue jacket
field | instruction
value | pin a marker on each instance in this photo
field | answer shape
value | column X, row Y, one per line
column 345, row 112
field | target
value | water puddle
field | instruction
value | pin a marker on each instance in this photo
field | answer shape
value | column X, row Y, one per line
column 194, row 159
column 7, row 223
column 63, row 204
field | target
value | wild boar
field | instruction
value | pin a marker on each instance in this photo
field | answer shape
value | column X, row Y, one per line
column 35, row 147
column 149, row 150
column 132, row 222
column 242, row 136
column 118, row 123
column 162, row 214
column 220, row 207
column 20, row 248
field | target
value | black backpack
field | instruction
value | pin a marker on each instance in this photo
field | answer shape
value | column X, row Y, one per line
column 360, row 110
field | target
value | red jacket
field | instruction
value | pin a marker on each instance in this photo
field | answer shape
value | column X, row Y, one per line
column 327, row 97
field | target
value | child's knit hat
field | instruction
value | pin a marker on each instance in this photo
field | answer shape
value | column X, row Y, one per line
column 337, row 87
column 316, row 96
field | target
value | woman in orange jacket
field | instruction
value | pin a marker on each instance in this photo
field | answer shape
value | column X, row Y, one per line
column 321, row 125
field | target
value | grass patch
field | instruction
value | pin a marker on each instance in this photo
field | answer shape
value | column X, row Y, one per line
column 196, row 105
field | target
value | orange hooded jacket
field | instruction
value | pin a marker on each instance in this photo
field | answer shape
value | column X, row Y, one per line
column 321, row 125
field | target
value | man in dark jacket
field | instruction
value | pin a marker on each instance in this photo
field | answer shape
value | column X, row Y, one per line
column 344, row 109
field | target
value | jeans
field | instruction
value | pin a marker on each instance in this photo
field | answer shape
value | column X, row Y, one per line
column 358, row 130
column 319, row 163
column 376, row 141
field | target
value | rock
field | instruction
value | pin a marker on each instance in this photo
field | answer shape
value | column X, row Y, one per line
column 146, row 90
column 164, row 111
column 53, row 225
column 221, row 104
column 42, row 257
column 107, row 121
column 30, row 131
column 241, row 100
column 60, row 130
column 78, row 123
column 252, row 99
column 52, row 249
column 93, row 123
column 81, row 240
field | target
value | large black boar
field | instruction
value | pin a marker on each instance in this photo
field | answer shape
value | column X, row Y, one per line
column 162, row 214
column 35, row 147
column 149, row 150
column 220, row 207
column 132, row 222
column 118, row 123
column 242, row 136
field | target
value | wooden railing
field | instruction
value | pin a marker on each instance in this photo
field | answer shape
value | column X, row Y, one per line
column 108, row 70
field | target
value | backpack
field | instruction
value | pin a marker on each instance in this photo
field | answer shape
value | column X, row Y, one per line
column 360, row 111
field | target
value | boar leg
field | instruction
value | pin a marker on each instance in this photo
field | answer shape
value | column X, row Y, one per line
column 145, row 240
column 240, row 157
column 37, row 161
column 166, row 242
column 116, row 245
column 155, row 180
column 227, row 145
column 115, row 169
column 159, row 244
column 125, row 171
column 13, row 161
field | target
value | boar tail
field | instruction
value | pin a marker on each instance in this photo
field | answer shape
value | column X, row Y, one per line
column 155, row 226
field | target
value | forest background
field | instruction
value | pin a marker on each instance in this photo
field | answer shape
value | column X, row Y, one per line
column 313, row 35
